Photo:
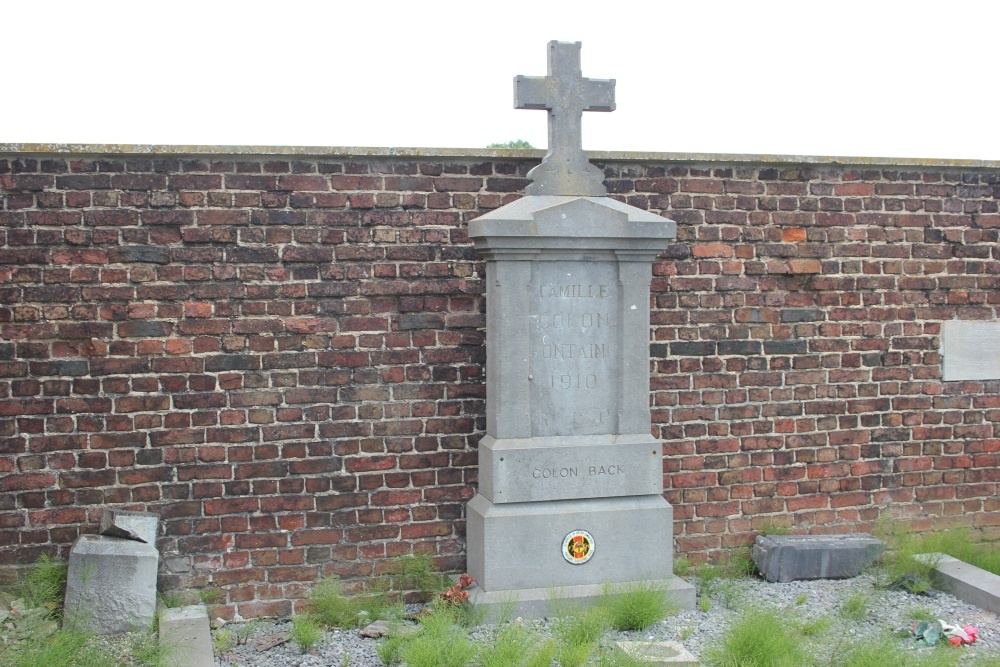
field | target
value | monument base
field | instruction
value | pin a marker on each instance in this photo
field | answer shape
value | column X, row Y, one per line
column 542, row 602
column 516, row 546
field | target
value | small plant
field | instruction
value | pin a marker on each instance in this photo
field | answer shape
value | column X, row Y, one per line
column 456, row 595
column 637, row 605
column 332, row 609
column 682, row 566
column 542, row 654
column 577, row 635
column 212, row 595
column 389, row 649
column 244, row 631
column 801, row 599
column 704, row 604
column 758, row 638
column 814, row 627
column 223, row 641
column 170, row 600
column 855, row 606
column 507, row 647
column 441, row 643
column 305, row 632
column 685, row 633
column 919, row 614
column 44, row 586
column 417, row 572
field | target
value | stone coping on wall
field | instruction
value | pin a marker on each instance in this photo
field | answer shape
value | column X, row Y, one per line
column 12, row 149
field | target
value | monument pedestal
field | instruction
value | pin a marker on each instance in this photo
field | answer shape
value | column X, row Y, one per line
column 568, row 461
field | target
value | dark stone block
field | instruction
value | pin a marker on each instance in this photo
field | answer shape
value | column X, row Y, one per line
column 699, row 348
column 144, row 329
column 785, row 558
column 786, row 347
column 140, row 253
column 410, row 321
column 739, row 347
column 802, row 315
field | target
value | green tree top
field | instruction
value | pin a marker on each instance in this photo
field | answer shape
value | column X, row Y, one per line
column 517, row 143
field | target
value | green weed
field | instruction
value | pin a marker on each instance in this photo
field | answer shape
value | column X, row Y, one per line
column 330, row 608
column 441, row 643
column 920, row 614
column 704, row 604
column 223, row 641
column 418, row 572
column 855, row 606
column 758, row 638
column 306, row 632
column 682, row 566
column 45, row 585
column 885, row 653
column 814, row 627
column 801, row 599
column 542, row 654
column 212, row 595
column 389, row 648
column 64, row 648
column 507, row 648
column 637, row 605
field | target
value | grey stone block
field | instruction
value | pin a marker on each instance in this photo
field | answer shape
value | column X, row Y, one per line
column 111, row 585
column 187, row 637
column 966, row 582
column 140, row 526
column 787, row 558
column 558, row 468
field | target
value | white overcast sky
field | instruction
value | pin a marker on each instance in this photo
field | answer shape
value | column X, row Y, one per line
column 873, row 78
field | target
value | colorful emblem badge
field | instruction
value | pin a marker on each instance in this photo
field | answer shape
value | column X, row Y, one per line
column 578, row 547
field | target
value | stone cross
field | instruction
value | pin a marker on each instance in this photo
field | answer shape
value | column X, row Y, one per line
column 565, row 170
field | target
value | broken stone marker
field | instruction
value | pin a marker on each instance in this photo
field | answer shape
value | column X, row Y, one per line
column 111, row 585
column 139, row 526
column 185, row 633
column 785, row 558
column 658, row 653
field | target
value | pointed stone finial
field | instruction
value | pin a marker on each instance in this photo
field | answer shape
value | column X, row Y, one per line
column 565, row 170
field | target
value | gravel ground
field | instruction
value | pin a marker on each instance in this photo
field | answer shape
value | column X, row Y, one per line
column 887, row 611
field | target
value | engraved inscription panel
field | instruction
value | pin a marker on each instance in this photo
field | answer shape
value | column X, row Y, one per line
column 574, row 333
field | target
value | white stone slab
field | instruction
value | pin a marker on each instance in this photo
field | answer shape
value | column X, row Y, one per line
column 658, row 653
column 970, row 350
column 186, row 636
column 559, row 468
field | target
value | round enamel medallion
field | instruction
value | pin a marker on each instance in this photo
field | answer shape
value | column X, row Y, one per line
column 578, row 547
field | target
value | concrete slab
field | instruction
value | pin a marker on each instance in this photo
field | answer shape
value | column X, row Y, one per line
column 966, row 582
column 542, row 602
column 785, row 558
column 111, row 585
column 185, row 633
column 658, row 653
column 970, row 350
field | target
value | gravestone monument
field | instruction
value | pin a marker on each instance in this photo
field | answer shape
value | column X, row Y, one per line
column 570, row 479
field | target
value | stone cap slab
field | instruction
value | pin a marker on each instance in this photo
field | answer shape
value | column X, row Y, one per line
column 262, row 151
column 567, row 224
column 130, row 525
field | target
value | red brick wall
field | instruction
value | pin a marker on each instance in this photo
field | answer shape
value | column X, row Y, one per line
column 284, row 357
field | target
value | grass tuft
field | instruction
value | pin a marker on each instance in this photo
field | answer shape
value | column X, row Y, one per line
column 637, row 605
column 855, row 606
column 758, row 638
column 329, row 607
column 441, row 643
column 306, row 632
column 45, row 585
